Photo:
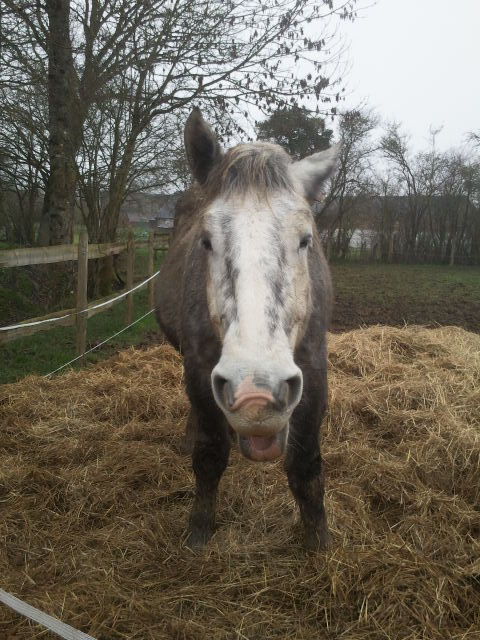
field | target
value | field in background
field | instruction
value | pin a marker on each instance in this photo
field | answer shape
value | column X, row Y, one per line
column 398, row 294
column 365, row 294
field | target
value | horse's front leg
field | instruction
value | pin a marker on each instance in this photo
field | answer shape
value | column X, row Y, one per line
column 305, row 479
column 304, row 469
column 209, row 460
column 190, row 433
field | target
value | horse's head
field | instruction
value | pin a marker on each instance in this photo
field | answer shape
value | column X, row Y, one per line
column 257, row 231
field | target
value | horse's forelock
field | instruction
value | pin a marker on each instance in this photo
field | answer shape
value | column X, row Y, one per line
column 259, row 167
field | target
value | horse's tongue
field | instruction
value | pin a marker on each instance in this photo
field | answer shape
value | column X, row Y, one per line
column 261, row 448
column 261, row 443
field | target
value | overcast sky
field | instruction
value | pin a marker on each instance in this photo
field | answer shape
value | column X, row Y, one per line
column 418, row 62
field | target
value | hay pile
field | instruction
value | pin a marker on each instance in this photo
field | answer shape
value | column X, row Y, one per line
column 94, row 497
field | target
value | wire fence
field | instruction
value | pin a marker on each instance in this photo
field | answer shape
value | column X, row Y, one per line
column 82, row 253
column 61, row 629
column 54, row 625
column 100, row 344
column 107, row 303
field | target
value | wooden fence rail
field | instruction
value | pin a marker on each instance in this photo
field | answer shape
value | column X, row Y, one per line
column 80, row 253
column 58, row 253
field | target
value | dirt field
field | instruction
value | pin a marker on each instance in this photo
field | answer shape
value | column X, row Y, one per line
column 367, row 293
column 95, row 494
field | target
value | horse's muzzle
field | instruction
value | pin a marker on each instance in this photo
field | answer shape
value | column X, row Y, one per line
column 258, row 411
column 261, row 448
column 253, row 396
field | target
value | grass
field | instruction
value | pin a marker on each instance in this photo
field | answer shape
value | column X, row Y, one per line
column 17, row 296
column 414, row 280
column 44, row 351
column 365, row 294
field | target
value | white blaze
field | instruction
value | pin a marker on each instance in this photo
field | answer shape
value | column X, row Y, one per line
column 252, row 230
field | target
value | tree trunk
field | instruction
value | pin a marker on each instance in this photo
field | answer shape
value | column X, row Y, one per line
column 329, row 243
column 43, row 238
column 60, row 192
column 106, row 272
column 411, row 246
column 453, row 247
column 105, row 275
column 390, row 247
column 111, row 214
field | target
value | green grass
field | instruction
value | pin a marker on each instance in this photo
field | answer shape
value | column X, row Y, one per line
column 44, row 351
column 16, row 294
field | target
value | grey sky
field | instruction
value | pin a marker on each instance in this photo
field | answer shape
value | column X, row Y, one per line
column 417, row 61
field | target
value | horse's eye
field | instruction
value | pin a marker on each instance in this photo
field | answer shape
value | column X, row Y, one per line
column 206, row 242
column 306, row 241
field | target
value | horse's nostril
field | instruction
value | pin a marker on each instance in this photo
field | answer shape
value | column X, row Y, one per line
column 289, row 393
column 283, row 394
column 295, row 384
column 228, row 394
column 222, row 391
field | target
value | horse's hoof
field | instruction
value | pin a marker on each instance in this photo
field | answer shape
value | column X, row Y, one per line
column 198, row 538
column 315, row 540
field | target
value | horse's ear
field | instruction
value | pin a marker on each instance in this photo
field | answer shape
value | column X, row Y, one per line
column 314, row 170
column 201, row 145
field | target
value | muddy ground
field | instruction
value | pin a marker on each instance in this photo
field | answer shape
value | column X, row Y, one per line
column 368, row 294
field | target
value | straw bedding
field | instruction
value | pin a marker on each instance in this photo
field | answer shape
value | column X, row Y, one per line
column 95, row 493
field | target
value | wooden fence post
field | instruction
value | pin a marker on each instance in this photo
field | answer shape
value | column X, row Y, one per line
column 130, row 266
column 150, row 268
column 82, row 303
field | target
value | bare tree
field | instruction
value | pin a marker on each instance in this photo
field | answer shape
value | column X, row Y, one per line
column 474, row 137
column 60, row 193
column 454, row 220
column 111, row 167
column 385, row 215
column 165, row 54
column 417, row 176
column 352, row 183
column 23, row 160
column 438, row 189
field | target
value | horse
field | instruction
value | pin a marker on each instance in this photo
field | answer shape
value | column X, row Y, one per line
column 245, row 294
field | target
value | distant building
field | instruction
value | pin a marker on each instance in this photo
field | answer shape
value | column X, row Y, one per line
column 149, row 210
